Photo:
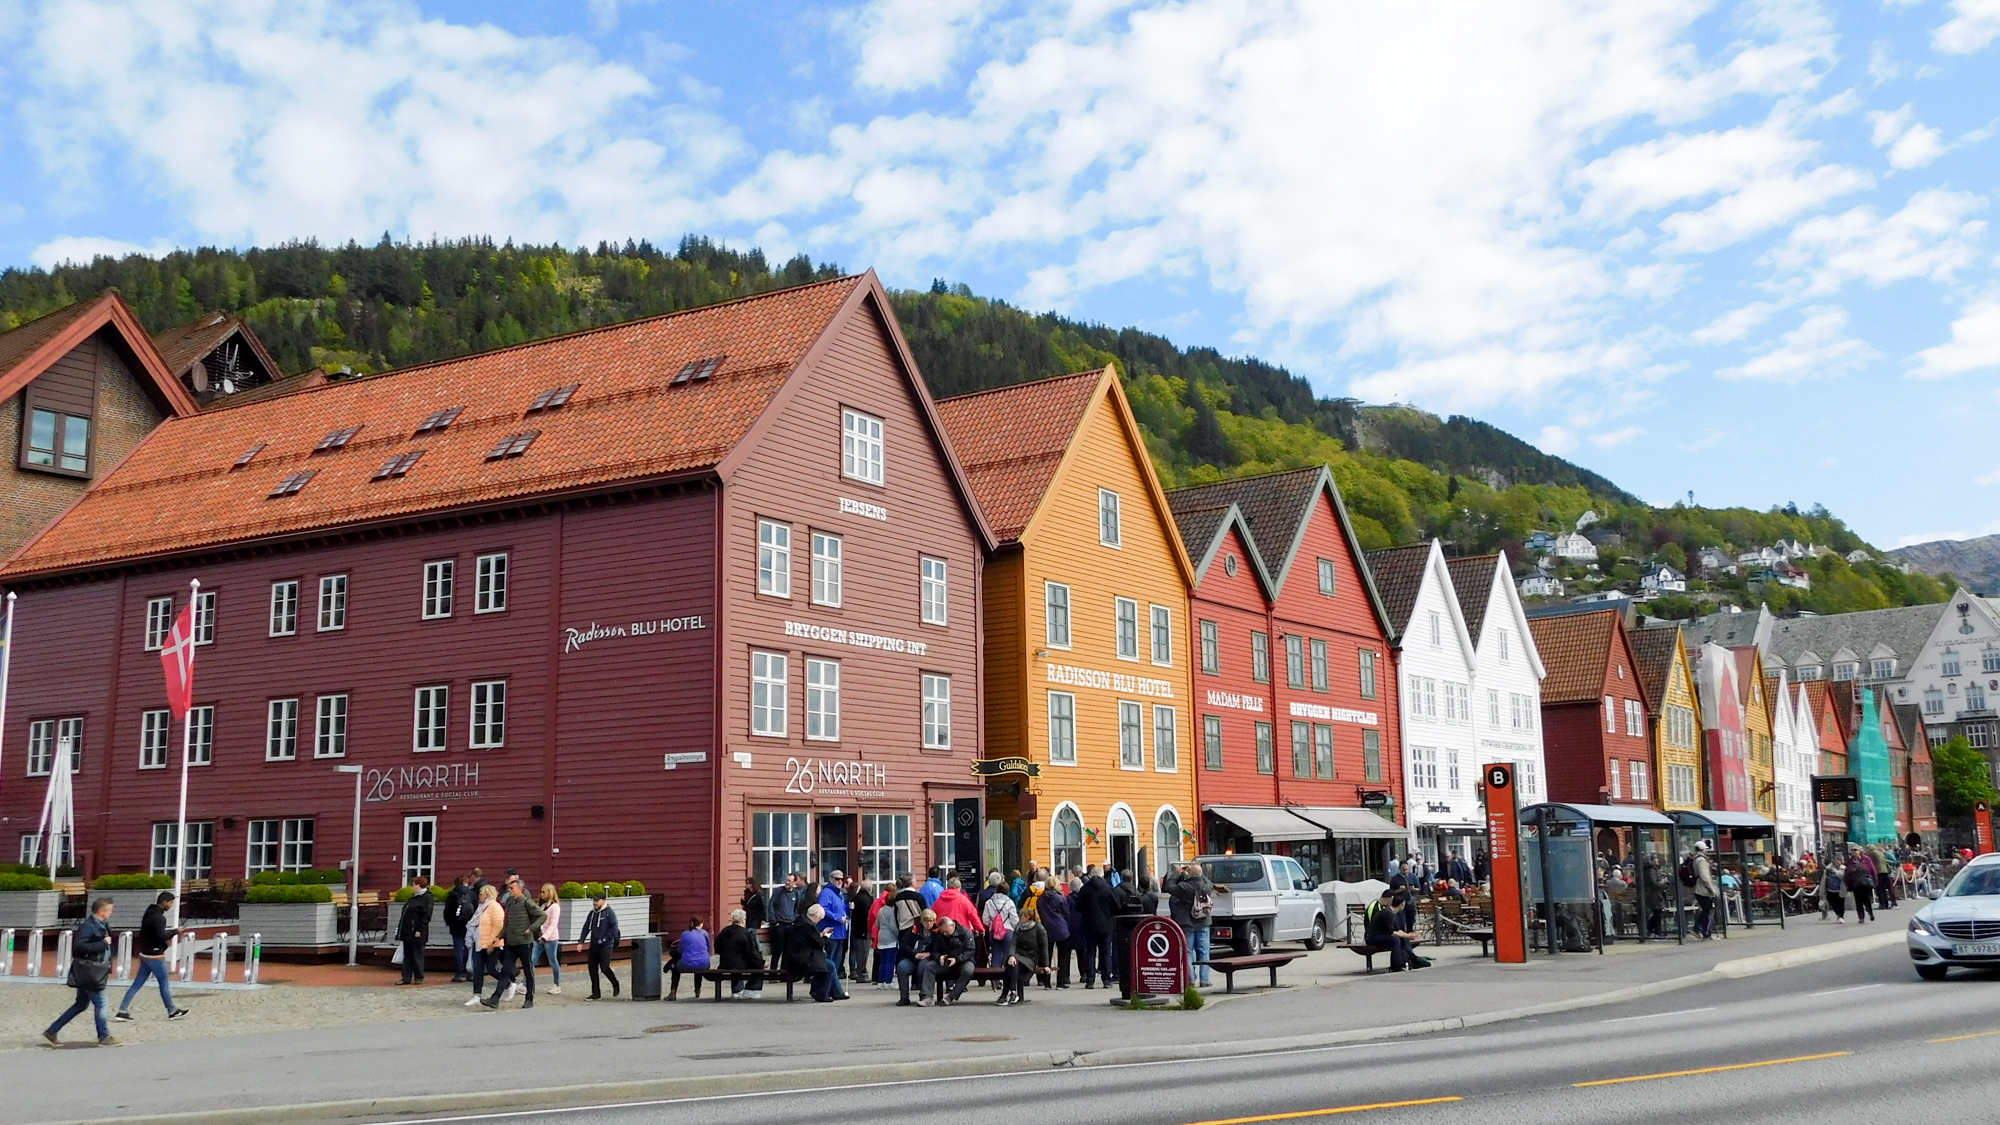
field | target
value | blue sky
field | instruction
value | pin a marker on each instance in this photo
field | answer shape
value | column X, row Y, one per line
column 1738, row 249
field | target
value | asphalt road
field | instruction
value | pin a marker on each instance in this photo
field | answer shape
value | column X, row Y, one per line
column 1859, row 1040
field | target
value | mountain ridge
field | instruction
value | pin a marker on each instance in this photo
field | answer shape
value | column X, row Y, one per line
column 1976, row 562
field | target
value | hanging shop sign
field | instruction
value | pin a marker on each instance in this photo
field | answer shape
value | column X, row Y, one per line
column 994, row 767
column 1121, row 682
column 574, row 639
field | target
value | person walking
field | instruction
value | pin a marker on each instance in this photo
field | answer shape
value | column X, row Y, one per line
column 1001, row 918
column 413, row 930
column 694, row 956
column 882, row 924
column 1705, row 893
column 487, row 933
column 736, row 948
column 548, row 940
column 155, row 936
column 600, row 941
column 1032, row 950
column 89, row 971
column 1861, row 881
column 833, row 905
column 1096, row 905
column 1191, row 902
column 523, row 922
column 1833, row 890
column 459, row 907
column 1059, row 917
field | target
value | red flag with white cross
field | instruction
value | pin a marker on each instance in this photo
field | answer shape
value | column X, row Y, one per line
column 177, row 657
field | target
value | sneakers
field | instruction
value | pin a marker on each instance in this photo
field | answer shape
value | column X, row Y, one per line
column 1002, row 1001
column 177, row 1013
column 124, row 1016
column 108, row 1041
column 904, row 1002
column 50, row 1036
column 922, row 1002
column 513, row 990
column 491, row 1003
column 528, row 1003
column 555, row 990
column 475, row 1001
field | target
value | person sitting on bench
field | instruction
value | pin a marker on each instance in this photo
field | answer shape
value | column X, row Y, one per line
column 1383, row 916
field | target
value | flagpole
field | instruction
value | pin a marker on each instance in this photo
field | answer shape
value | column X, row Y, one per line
column 6, row 661
column 187, row 731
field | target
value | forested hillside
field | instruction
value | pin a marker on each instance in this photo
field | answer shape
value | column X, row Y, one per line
column 1406, row 474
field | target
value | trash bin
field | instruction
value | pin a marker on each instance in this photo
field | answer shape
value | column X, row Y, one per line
column 1122, row 926
column 644, row 983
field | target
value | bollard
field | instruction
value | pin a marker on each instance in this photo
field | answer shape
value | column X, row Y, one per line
column 186, row 952
column 218, row 960
column 253, row 956
column 124, row 967
column 6, row 952
column 35, row 953
column 63, row 942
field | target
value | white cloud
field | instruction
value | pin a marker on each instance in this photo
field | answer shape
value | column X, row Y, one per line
column 1911, row 143
column 1931, row 237
column 1975, row 25
column 911, row 44
column 1733, row 325
column 1615, row 438
column 82, row 250
column 1713, row 439
column 1986, row 478
column 1556, row 440
column 1817, row 348
column 1974, row 344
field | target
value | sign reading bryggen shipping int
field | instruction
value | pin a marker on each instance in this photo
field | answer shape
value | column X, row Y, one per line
column 1110, row 681
column 837, row 636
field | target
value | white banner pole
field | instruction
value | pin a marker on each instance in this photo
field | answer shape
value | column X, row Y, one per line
column 187, row 731
column 6, row 662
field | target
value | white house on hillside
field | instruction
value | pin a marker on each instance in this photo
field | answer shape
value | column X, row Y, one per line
column 1541, row 584
column 1571, row 545
column 1956, row 676
column 1661, row 578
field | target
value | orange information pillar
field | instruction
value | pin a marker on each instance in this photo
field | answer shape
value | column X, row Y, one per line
column 1510, row 939
column 1982, row 826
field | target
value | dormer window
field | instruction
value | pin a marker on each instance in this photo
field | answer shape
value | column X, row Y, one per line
column 697, row 370
column 513, row 445
column 399, row 464
column 440, row 419
column 336, row 440
column 56, row 441
column 290, row 485
column 552, row 398
column 249, row 455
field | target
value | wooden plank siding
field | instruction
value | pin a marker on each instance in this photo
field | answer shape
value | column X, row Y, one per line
column 1670, row 750
column 1236, row 603
column 1757, row 729
column 94, row 380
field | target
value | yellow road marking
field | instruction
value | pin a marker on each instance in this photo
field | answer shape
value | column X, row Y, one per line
column 1711, row 1069
column 1324, row 1112
column 1974, row 1035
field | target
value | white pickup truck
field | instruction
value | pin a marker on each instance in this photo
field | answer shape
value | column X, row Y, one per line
column 1268, row 898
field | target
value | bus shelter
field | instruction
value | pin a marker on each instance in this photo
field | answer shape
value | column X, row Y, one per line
column 1741, row 845
column 1578, row 897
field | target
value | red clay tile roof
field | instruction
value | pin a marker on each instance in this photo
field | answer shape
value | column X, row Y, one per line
column 1399, row 574
column 303, row 381
column 1576, row 650
column 1653, row 658
column 30, row 349
column 178, row 492
column 1012, row 439
column 182, row 344
column 19, row 344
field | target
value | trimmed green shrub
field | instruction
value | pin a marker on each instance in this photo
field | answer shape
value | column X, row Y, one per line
column 266, row 879
column 332, row 877
column 592, row 890
column 410, row 892
column 13, row 881
column 132, row 883
column 287, row 879
column 281, row 892
column 571, row 889
column 635, row 888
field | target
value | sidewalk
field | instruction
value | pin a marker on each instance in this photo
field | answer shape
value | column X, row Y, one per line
column 299, row 1044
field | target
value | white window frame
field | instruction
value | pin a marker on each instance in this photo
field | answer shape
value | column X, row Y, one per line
column 264, row 847
column 200, row 862
column 1062, row 728
column 159, row 622
column 1166, row 740
column 1131, row 735
column 774, row 559
column 934, row 594
column 1109, row 531
column 155, row 734
column 1125, row 627
column 937, row 711
column 419, row 848
column 1642, row 785
column 826, row 568
column 332, row 603
column 281, row 730
column 769, row 678
column 863, row 448
column 285, row 608
column 1162, row 624
column 1437, row 629
column 1610, row 715
column 1635, row 718
column 200, row 731
column 487, row 722
column 1059, row 631
column 490, row 583
column 822, row 700
column 330, row 713
column 431, row 721
column 438, row 579
column 204, row 617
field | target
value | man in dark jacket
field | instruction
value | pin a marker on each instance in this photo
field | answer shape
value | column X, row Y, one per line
column 860, row 945
column 154, row 939
column 1059, row 916
column 600, row 939
column 913, row 954
column 458, row 911
column 1384, row 920
column 1190, row 889
column 736, row 947
column 784, row 912
column 414, row 931
column 807, row 941
column 89, row 965
column 1096, row 905
column 520, row 932
column 950, row 965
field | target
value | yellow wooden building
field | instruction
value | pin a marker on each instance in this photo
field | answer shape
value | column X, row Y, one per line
column 1088, row 750
column 1757, row 731
column 1667, row 679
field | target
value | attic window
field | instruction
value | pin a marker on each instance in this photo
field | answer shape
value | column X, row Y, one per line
column 291, row 484
column 336, row 439
column 552, row 398
column 399, row 464
column 440, row 420
column 249, row 455
column 697, row 370
column 513, row 445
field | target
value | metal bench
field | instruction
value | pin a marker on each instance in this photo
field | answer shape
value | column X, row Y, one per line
column 1367, row 952
column 1230, row 966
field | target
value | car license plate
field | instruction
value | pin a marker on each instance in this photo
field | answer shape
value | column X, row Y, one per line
column 1976, row 949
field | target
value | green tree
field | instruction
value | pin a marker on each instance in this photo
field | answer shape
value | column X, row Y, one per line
column 1962, row 776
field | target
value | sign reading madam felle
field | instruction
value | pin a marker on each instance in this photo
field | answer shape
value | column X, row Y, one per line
column 574, row 639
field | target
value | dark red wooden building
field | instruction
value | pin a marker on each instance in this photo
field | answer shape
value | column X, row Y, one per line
column 1594, row 714
column 675, row 600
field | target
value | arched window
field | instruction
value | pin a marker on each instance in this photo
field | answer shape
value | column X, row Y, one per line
column 1166, row 839
column 1066, row 842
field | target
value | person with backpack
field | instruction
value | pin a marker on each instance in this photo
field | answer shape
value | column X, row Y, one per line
column 1001, row 918
column 89, row 972
column 1696, row 863
column 1191, row 902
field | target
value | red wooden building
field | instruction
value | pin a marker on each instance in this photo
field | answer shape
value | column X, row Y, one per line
column 1296, row 681
column 1594, row 713
column 675, row 600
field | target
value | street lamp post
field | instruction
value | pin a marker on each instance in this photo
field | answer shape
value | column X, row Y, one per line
column 354, row 873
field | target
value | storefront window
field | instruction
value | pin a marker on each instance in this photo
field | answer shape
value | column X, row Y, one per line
column 1167, row 840
column 885, row 846
column 780, row 842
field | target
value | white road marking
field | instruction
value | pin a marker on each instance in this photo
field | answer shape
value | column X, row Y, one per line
column 1838, row 991
column 1659, row 1015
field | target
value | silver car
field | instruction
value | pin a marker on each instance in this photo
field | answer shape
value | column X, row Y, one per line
column 1962, row 926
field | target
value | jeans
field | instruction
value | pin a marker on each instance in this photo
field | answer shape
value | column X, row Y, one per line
column 1401, row 953
column 482, row 963
column 461, row 954
column 85, row 998
column 600, row 962
column 930, row 975
column 1704, row 921
column 906, row 968
column 155, row 967
column 1199, row 951
column 824, row 983
column 885, row 965
column 1093, row 956
column 552, row 950
column 835, row 958
column 674, row 975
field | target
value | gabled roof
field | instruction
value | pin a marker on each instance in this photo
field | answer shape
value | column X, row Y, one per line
column 626, row 423
column 1730, row 629
column 1653, row 659
column 1576, row 651
column 303, row 381
column 1204, row 530
column 1472, row 578
column 30, row 349
column 184, row 345
column 1012, row 440
column 1904, row 629
column 1399, row 575
column 1278, row 508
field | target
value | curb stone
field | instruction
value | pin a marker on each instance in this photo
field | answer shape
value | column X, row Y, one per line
column 823, row 1079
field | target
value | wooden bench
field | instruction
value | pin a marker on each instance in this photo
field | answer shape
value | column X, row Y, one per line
column 1230, row 966
column 717, row 976
column 1367, row 952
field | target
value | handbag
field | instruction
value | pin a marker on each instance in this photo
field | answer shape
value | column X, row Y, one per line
column 396, row 958
column 90, row 975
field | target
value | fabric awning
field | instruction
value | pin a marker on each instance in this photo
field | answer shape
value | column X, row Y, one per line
column 1734, row 821
column 1301, row 822
column 1606, row 815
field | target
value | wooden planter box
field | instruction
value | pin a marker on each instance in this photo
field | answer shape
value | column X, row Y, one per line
column 29, row 910
column 128, row 908
column 289, row 923
column 631, row 912
column 440, row 933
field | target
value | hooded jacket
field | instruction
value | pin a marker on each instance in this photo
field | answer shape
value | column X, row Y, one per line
column 736, row 947
column 1058, row 914
column 834, row 902
column 954, row 905
column 600, row 928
